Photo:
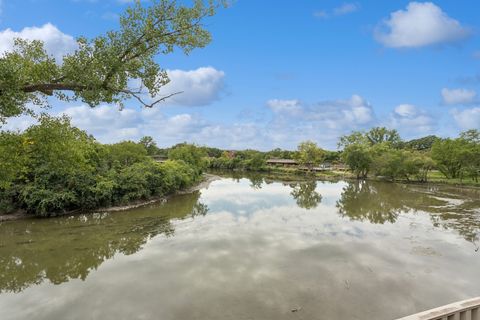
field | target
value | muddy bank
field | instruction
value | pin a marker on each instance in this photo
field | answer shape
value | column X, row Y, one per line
column 207, row 179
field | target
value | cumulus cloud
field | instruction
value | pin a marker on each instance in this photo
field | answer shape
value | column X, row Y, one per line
column 468, row 118
column 421, row 24
column 105, row 122
column 289, row 122
column 56, row 42
column 323, row 121
column 109, row 125
column 354, row 112
column 408, row 118
column 198, row 87
column 458, row 96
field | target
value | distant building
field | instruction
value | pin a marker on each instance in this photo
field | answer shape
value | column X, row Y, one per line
column 282, row 162
column 293, row 163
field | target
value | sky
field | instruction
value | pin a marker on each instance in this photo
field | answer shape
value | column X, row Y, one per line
column 280, row 72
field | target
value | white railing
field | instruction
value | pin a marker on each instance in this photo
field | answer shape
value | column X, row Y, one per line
column 463, row 310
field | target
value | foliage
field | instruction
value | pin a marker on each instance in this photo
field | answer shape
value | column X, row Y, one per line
column 280, row 154
column 383, row 135
column 125, row 153
column 246, row 160
column 190, row 154
column 150, row 145
column 372, row 137
column 101, row 69
column 421, row 144
column 53, row 168
column 359, row 158
column 309, row 154
column 449, row 154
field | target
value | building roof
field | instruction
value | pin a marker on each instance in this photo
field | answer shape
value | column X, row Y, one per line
column 282, row 161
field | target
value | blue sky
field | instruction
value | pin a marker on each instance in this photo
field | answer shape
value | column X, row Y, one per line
column 280, row 72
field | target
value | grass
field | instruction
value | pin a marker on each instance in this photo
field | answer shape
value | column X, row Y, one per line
column 438, row 177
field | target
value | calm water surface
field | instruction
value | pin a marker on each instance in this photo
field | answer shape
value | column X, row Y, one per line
column 250, row 249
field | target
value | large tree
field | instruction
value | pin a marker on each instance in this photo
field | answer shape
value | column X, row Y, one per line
column 110, row 68
column 309, row 154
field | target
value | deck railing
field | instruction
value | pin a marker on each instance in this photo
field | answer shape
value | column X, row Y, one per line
column 463, row 310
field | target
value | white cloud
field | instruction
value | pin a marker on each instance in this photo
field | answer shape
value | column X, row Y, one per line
column 421, row 24
column 106, row 123
column 285, row 124
column 468, row 118
column 323, row 122
column 199, row 87
column 408, row 118
column 345, row 8
column 458, row 96
column 405, row 110
column 354, row 112
column 286, row 106
column 291, row 122
column 56, row 42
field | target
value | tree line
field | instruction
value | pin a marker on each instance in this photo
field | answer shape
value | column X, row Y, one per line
column 53, row 167
column 378, row 152
column 381, row 152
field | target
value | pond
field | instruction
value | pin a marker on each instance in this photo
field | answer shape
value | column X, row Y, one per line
column 250, row 248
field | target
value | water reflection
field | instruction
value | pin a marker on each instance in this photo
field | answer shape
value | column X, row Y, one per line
column 449, row 208
column 70, row 248
column 247, row 248
column 306, row 195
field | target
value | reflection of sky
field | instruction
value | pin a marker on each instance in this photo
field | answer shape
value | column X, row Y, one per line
column 257, row 255
column 225, row 194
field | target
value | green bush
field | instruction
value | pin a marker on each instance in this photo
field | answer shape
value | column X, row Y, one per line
column 53, row 168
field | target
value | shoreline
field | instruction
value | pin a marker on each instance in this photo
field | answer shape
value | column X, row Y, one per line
column 208, row 178
column 203, row 183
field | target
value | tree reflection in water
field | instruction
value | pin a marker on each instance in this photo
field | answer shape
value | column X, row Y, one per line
column 32, row 251
column 306, row 195
column 448, row 207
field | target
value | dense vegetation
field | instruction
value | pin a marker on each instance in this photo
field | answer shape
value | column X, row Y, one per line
column 53, row 168
column 381, row 152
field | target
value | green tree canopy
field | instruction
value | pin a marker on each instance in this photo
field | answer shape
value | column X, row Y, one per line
column 309, row 154
column 150, row 145
column 383, row 135
column 359, row 158
column 103, row 69
column 190, row 154
column 421, row 144
column 372, row 137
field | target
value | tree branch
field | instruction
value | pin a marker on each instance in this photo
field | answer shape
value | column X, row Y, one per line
column 49, row 88
column 147, row 105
